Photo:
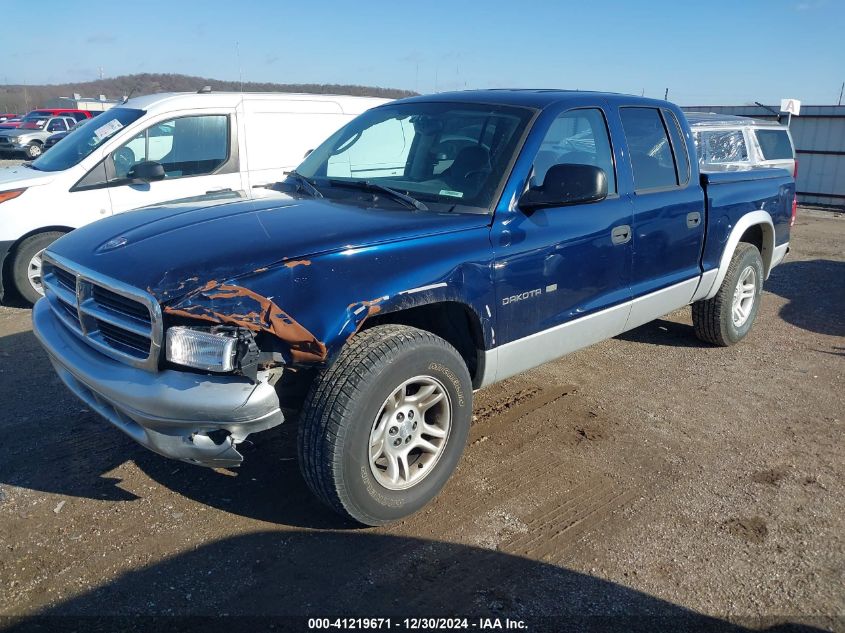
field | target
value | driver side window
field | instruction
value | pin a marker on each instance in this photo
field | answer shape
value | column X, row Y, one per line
column 577, row 137
column 188, row 146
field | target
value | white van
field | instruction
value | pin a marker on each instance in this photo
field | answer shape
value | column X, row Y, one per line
column 153, row 149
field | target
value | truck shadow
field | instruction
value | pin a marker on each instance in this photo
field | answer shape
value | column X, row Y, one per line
column 262, row 581
column 664, row 332
column 815, row 290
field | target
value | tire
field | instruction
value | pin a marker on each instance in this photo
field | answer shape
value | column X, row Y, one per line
column 727, row 318
column 26, row 254
column 355, row 400
column 32, row 151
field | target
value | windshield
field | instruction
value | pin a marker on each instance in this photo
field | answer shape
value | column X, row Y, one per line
column 440, row 153
column 85, row 138
column 34, row 123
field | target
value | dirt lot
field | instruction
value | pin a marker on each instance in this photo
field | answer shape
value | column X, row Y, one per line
column 649, row 476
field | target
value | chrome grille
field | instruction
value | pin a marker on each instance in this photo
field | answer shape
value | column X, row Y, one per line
column 116, row 319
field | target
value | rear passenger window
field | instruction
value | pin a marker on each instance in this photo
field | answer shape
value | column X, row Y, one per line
column 774, row 144
column 650, row 151
column 576, row 137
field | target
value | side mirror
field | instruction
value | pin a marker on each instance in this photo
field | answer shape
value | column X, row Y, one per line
column 565, row 185
column 148, row 171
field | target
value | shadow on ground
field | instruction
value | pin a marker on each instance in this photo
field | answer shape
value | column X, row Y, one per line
column 815, row 290
column 273, row 575
column 666, row 333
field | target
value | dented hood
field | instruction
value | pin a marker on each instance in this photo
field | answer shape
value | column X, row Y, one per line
column 173, row 249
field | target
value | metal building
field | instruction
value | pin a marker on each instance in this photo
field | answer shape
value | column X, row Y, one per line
column 78, row 102
column 819, row 136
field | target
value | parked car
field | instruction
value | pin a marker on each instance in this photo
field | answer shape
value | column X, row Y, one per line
column 5, row 116
column 726, row 142
column 151, row 149
column 29, row 137
column 77, row 115
column 58, row 136
column 374, row 305
column 11, row 124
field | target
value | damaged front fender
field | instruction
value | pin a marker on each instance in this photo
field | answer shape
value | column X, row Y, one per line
column 232, row 304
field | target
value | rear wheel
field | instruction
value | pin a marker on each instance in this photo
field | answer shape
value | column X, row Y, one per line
column 727, row 318
column 383, row 428
column 26, row 265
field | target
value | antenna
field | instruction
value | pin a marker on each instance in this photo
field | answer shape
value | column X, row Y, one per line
column 772, row 110
column 841, row 90
column 666, row 95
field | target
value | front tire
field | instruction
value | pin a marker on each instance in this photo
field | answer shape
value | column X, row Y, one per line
column 26, row 265
column 382, row 429
column 32, row 151
column 727, row 318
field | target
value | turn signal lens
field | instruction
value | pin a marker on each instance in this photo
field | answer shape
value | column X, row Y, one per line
column 794, row 210
column 10, row 195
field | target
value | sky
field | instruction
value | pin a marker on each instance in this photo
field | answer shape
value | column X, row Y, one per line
column 707, row 53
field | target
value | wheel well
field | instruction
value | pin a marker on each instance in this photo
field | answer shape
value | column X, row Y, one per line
column 452, row 321
column 762, row 237
column 753, row 235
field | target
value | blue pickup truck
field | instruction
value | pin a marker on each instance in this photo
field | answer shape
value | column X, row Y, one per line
column 431, row 247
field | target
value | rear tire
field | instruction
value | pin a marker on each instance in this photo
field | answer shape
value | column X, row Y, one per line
column 382, row 429
column 727, row 318
column 26, row 265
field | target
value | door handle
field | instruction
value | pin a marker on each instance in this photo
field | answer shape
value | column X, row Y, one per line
column 693, row 220
column 621, row 234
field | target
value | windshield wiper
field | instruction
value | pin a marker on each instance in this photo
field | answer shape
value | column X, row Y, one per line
column 304, row 183
column 30, row 166
column 367, row 185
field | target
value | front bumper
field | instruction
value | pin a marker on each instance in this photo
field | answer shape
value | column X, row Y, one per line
column 170, row 412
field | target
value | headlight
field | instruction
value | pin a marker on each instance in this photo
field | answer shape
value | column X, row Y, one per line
column 10, row 195
column 201, row 348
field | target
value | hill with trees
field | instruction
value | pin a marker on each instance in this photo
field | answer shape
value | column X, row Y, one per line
column 20, row 98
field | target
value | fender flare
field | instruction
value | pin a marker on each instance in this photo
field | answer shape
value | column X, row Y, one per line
column 759, row 218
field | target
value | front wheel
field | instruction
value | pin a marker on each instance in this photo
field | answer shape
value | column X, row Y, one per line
column 26, row 265
column 727, row 318
column 383, row 428
column 32, row 151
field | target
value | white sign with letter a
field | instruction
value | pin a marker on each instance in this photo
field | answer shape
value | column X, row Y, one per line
column 793, row 106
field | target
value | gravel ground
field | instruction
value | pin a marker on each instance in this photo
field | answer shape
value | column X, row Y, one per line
column 649, row 479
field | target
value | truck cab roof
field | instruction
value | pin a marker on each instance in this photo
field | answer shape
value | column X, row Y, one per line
column 538, row 98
